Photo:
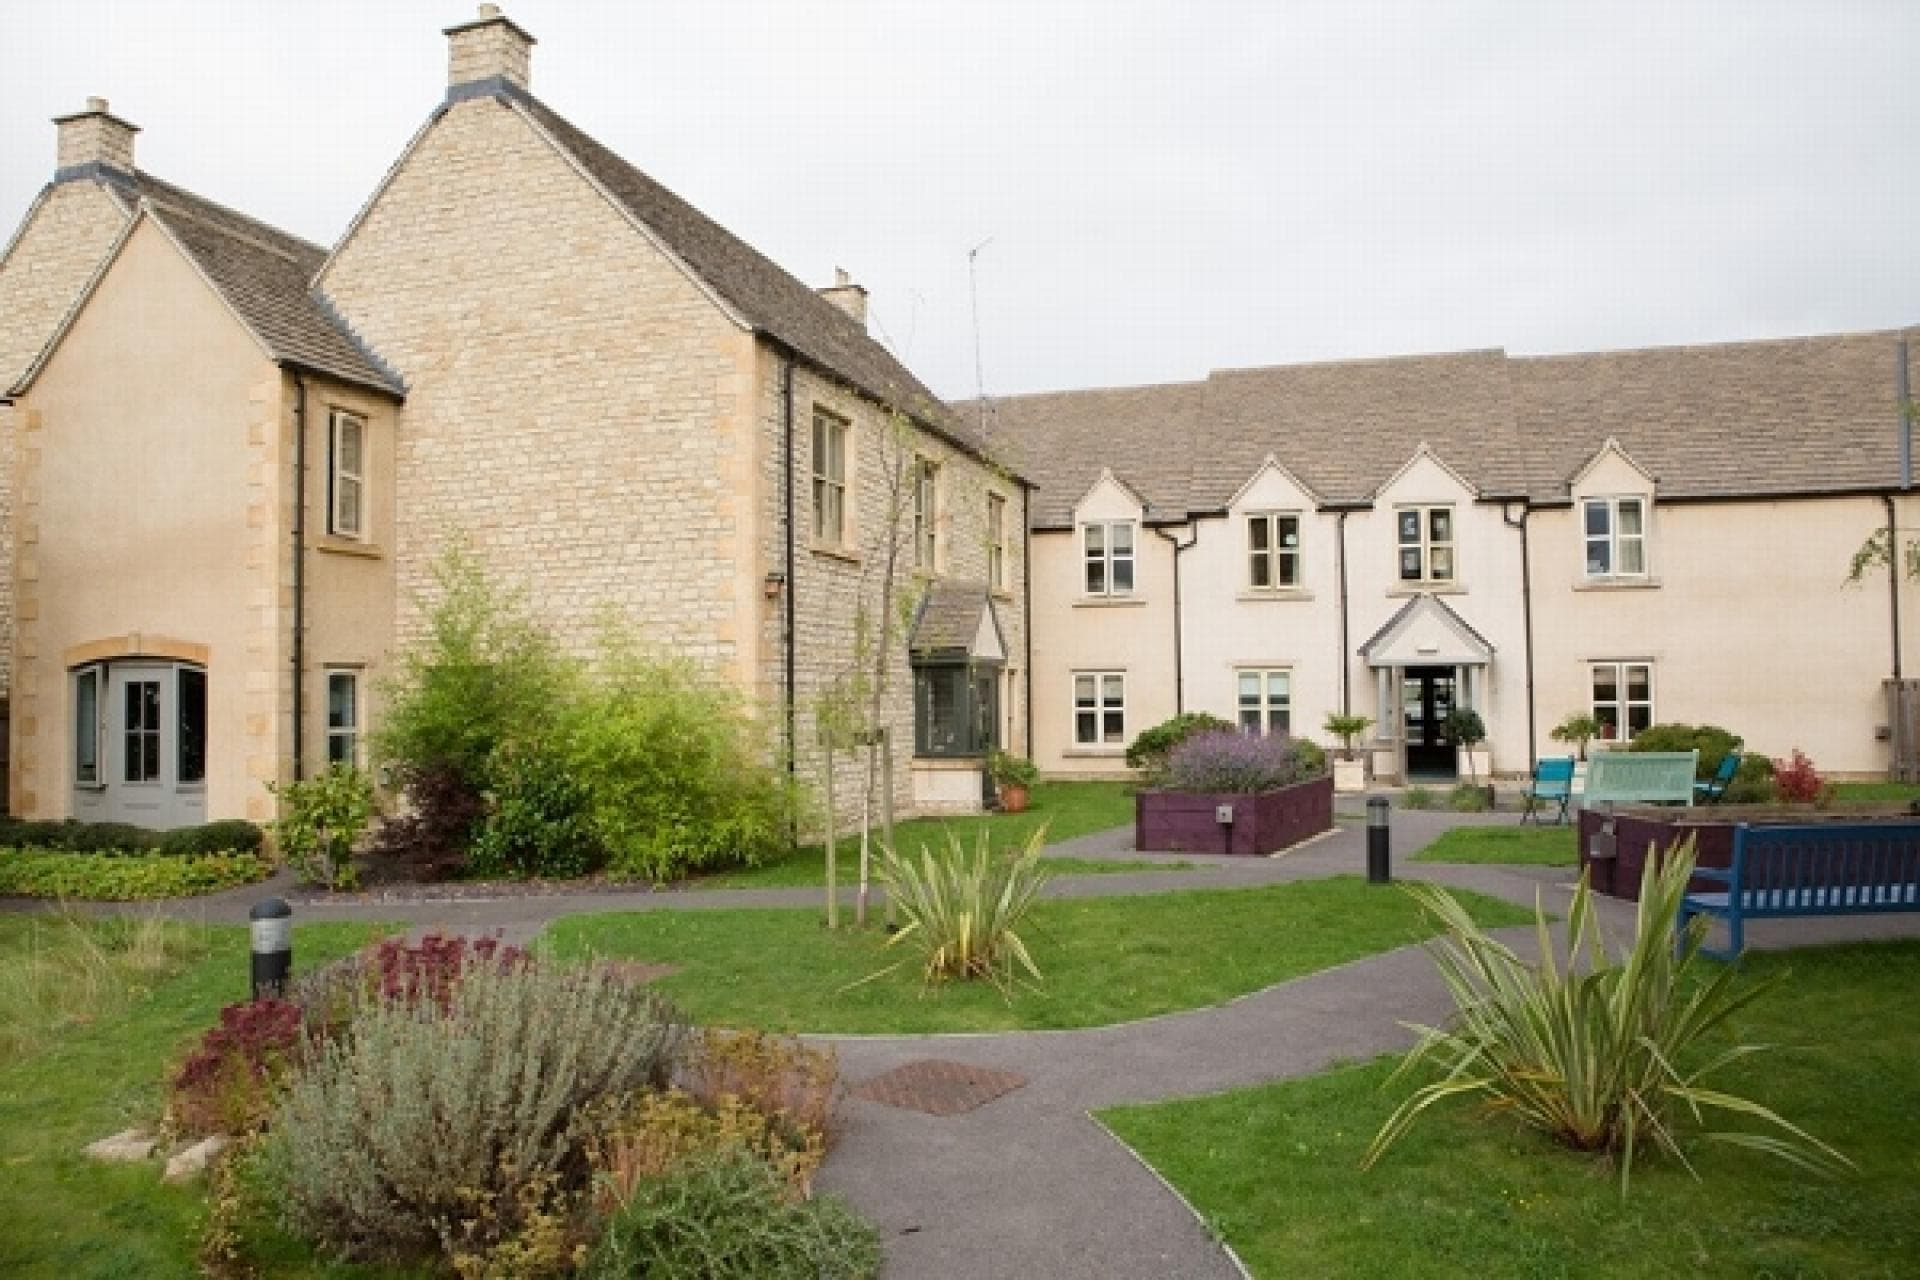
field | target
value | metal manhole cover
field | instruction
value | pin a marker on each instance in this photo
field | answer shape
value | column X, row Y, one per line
column 939, row 1087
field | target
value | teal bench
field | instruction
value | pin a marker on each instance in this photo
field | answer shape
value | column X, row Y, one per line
column 1819, row 869
column 1640, row 777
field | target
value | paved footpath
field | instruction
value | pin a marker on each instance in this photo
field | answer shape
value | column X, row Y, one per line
column 1028, row 1185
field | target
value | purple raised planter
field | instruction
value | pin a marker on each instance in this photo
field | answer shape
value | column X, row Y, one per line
column 1266, row 822
column 1642, row 828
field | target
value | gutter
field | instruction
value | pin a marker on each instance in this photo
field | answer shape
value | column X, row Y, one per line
column 1526, row 615
column 299, row 646
column 1179, row 665
column 1903, row 395
column 1346, row 663
column 1026, row 591
column 1893, row 582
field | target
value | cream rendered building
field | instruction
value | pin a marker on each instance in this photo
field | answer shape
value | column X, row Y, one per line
column 241, row 456
column 1658, row 535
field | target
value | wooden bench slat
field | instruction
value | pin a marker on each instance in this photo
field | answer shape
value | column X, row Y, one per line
column 1809, row 870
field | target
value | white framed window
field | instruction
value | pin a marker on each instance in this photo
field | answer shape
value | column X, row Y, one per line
column 1273, row 550
column 1616, row 537
column 829, row 478
column 343, row 716
column 140, row 731
column 996, row 542
column 1100, row 708
column 1265, row 699
column 1108, row 554
column 89, row 731
column 1425, row 537
column 926, row 515
column 1622, row 699
column 346, row 474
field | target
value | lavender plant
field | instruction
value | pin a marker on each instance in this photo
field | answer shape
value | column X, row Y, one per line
column 1227, row 760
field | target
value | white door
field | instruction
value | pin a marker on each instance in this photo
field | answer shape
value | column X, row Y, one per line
column 150, row 768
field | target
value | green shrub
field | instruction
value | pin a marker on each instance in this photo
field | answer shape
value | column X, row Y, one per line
column 110, row 837
column 1468, row 797
column 483, row 674
column 540, row 822
column 131, row 877
column 1711, row 741
column 1312, row 757
column 417, row 1127
column 1150, row 750
column 320, row 819
column 1419, row 798
column 963, row 914
column 228, row 835
column 1604, row 1054
column 1010, row 770
column 676, row 772
column 726, row 1216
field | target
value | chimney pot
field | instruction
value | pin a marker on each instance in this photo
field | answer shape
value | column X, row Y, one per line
column 94, row 136
column 491, row 47
column 848, row 296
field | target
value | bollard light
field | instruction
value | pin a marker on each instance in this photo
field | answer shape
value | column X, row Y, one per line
column 271, row 924
column 1379, row 870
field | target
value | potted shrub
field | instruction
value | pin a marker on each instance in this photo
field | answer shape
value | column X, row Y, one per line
column 1231, row 792
column 1013, row 778
column 1468, row 731
column 1349, row 771
column 1577, row 730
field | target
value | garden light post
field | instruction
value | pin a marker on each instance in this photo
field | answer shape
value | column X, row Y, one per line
column 1379, row 838
column 271, row 924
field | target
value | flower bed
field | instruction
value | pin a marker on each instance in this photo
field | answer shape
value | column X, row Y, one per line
column 1638, row 829
column 1263, row 822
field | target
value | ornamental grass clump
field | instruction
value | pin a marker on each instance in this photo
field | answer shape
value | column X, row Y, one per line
column 1230, row 761
column 963, row 912
column 1607, row 1054
column 421, row 1126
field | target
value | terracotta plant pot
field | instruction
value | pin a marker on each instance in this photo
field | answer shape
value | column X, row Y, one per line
column 1013, row 799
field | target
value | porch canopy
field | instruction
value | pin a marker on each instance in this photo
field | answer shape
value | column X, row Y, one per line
column 1424, row 636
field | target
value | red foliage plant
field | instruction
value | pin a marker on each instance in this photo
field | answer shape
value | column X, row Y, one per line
column 430, row 967
column 227, row 1085
column 1797, row 781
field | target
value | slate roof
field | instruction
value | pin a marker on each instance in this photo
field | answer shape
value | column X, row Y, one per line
column 1792, row 416
column 264, row 274
column 949, row 617
column 770, row 299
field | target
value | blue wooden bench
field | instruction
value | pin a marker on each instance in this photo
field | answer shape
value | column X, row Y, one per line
column 1639, row 777
column 1819, row 869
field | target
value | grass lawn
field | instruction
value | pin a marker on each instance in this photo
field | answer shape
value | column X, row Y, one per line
column 1104, row 960
column 1852, row 793
column 1276, row 1168
column 62, row 1214
column 1534, row 846
column 1067, row 809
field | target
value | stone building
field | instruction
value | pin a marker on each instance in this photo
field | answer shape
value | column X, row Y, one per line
column 1644, row 536
column 521, row 342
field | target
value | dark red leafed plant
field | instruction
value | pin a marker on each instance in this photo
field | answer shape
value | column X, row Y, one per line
column 1797, row 781
column 229, row 1082
column 429, row 968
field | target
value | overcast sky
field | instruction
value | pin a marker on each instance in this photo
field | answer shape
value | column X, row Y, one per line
column 1162, row 189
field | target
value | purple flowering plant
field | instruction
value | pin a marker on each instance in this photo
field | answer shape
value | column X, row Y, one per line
column 1226, row 760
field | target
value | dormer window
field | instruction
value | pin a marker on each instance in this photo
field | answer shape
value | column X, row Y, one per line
column 1426, row 543
column 1273, row 550
column 1108, row 554
column 1616, row 537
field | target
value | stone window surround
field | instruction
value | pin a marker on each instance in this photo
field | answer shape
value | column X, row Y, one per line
column 1621, row 706
column 1427, row 546
column 1100, row 708
column 1108, row 558
column 340, row 476
column 1275, row 556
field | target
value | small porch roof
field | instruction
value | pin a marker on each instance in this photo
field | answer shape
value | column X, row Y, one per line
column 957, row 622
column 1426, row 632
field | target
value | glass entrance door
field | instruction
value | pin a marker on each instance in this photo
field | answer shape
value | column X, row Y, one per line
column 1427, row 695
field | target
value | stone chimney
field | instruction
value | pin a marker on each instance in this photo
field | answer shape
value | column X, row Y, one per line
column 95, row 136
column 488, row 48
column 848, row 296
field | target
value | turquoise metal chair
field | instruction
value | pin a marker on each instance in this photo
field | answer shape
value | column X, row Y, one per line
column 1710, row 791
column 1551, row 784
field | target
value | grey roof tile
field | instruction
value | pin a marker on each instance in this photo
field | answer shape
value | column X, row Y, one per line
column 949, row 617
column 265, row 275
column 1793, row 416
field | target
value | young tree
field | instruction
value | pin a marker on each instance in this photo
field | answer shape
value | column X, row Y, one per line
column 1884, row 548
